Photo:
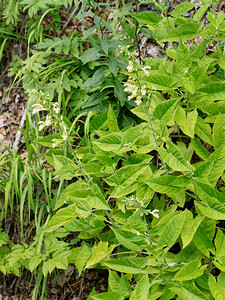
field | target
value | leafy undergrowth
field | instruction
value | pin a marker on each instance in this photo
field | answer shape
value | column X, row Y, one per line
column 124, row 171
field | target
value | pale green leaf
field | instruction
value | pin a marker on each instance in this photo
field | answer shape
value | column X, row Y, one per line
column 218, row 164
column 184, row 32
column 80, row 256
column 183, row 58
column 215, row 288
column 101, row 251
column 112, row 121
column 200, row 150
column 148, row 17
column 214, row 91
column 188, row 291
column 110, row 142
column 190, row 226
column 129, row 264
column 159, row 81
column 190, row 271
column 203, row 130
column 174, row 158
column 119, row 285
column 182, row 8
column 220, row 244
column 142, row 289
column 172, row 231
column 213, row 202
column 62, row 217
column 219, row 132
column 164, row 110
column 203, row 242
column 187, row 121
column 168, row 184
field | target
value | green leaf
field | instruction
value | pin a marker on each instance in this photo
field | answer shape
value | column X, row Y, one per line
column 219, row 132
column 182, row 8
column 113, row 65
column 147, row 17
column 90, row 54
column 216, row 289
column 190, row 227
column 203, row 242
column 129, row 239
column 101, row 251
column 213, row 91
column 47, row 140
column 172, row 231
column 107, row 296
column 186, row 121
column 188, row 291
column 200, row 150
column 35, row 261
column 95, row 81
column 129, row 264
column 110, row 142
column 62, row 217
column 203, row 130
column 184, row 32
column 118, row 284
column 142, row 289
column 168, row 184
column 125, row 177
column 217, row 158
column 174, row 158
column 159, row 81
column 213, row 202
column 190, row 271
column 80, row 256
column 164, row 110
column 183, row 57
column 220, row 244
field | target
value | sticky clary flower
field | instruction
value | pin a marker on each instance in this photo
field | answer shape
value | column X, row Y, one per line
column 143, row 90
column 131, row 89
column 41, row 125
column 145, row 70
column 48, row 121
column 55, row 142
column 138, row 100
column 56, row 107
column 130, row 67
column 37, row 107
column 154, row 213
column 64, row 135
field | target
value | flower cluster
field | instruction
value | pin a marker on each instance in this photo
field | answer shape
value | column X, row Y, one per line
column 43, row 103
column 133, row 202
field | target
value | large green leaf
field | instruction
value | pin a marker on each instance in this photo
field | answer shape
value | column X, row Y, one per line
column 183, row 58
column 129, row 264
column 220, row 244
column 190, row 271
column 129, row 239
column 110, row 142
column 119, row 285
column 112, row 121
column 142, row 289
column 213, row 202
column 159, row 81
column 99, row 252
column 219, row 132
column 174, row 158
column 203, row 242
column 200, row 150
column 213, row 91
column 172, row 231
column 190, row 227
column 148, row 17
column 187, row 121
column 183, row 32
column 188, row 291
column 164, row 110
column 62, row 217
column 217, row 289
column 182, row 8
column 203, row 130
column 168, row 184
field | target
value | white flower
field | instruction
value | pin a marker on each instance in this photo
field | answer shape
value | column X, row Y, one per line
column 41, row 125
column 56, row 107
column 64, row 135
column 143, row 90
column 145, row 70
column 55, row 142
column 138, row 100
column 48, row 121
column 37, row 107
column 130, row 67
column 154, row 213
